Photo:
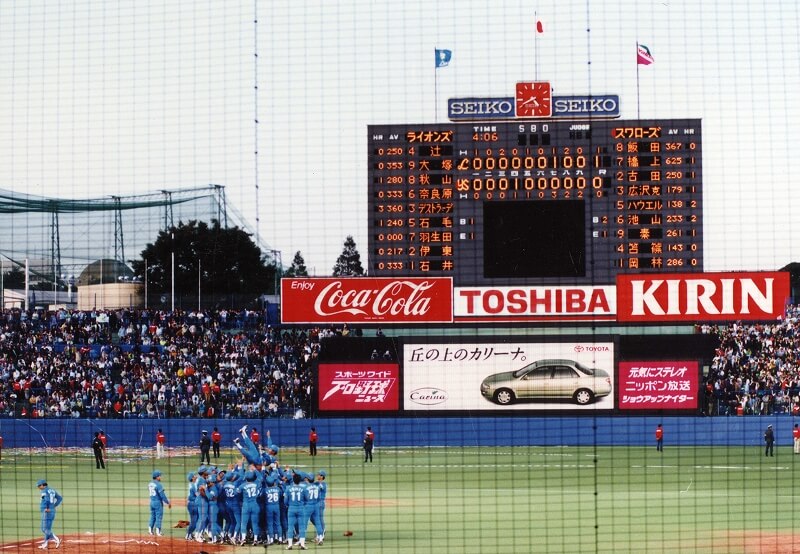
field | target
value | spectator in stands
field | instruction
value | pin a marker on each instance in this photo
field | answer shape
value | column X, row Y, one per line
column 163, row 365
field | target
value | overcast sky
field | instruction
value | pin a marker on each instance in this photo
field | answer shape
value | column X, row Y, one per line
column 122, row 97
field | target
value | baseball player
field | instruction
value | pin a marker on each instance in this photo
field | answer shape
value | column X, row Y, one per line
column 212, row 494
column 296, row 496
column 248, row 448
column 158, row 497
column 273, row 494
column 191, row 504
column 318, row 515
column 50, row 501
column 250, row 511
column 233, row 504
column 201, row 502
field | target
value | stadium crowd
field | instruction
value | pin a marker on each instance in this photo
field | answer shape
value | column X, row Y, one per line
column 756, row 368
column 149, row 363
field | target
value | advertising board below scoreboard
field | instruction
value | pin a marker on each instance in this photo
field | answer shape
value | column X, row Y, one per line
column 553, row 375
column 636, row 298
column 358, row 387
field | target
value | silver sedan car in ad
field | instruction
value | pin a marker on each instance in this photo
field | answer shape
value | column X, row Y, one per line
column 548, row 379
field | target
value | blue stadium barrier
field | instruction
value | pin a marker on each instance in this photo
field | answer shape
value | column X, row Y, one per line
column 415, row 432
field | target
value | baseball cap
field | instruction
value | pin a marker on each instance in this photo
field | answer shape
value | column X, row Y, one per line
column 156, row 473
column 275, row 449
column 189, row 475
column 41, row 482
column 322, row 472
column 205, row 432
column 202, row 469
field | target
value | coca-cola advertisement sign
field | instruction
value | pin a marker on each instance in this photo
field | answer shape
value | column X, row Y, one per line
column 367, row 300
column 359, row 387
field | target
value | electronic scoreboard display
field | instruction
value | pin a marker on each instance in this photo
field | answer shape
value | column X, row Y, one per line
column 526, row 202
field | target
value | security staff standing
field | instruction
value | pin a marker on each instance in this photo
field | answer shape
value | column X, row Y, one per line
column 205, row 448
column 97, row 448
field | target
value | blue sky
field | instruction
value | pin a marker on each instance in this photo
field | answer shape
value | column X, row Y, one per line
column 106, row 98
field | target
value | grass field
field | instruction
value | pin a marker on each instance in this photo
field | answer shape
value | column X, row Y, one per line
column 523, row 499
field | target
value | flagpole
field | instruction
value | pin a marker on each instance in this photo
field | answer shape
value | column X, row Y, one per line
column 435, row 89
column 535, row 47
column 638, row 114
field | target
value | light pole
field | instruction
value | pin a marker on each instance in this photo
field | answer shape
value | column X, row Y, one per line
column 69, row 280
column 172, row 243
column 276, row 256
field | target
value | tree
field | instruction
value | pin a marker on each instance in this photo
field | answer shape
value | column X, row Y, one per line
column 230, row 262
column 349, row 261
column 298, row 268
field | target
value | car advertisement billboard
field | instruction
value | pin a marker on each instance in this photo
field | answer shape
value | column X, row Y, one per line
column 358, row 387
column 559, row 374
column 658, row 385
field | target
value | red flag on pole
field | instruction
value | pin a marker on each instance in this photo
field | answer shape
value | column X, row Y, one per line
column 539, row 26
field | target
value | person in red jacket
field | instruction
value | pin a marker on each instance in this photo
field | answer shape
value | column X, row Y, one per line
column 796, row 436
column 161, row 439
column 254, row 436
column 312, row 441
column 660, row 438
column 216, row 437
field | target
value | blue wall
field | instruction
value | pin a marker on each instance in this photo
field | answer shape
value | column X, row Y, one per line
column 430, row 431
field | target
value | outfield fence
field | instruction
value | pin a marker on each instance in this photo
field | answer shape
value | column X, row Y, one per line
column 418, row 432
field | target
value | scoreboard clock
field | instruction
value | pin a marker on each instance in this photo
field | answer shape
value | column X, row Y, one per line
column 535, row 202
column 533, row 100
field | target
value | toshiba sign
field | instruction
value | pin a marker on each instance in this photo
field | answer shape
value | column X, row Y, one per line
column 702, row 296
column 367, row 300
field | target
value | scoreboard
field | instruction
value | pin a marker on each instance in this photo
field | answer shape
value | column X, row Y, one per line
column 535, row 202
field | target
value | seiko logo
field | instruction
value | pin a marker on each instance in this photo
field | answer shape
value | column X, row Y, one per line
column 428, row 396
column 465, row 108
column 585, row 105
column 591, row 348
column 503, row 108
column 396, row 297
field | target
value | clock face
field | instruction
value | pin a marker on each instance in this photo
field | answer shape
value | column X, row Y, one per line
column 533, row 100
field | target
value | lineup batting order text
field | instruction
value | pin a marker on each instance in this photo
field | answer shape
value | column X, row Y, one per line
column 527, row 202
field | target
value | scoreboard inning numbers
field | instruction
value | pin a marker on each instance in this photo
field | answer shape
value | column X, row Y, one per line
column 532, row 202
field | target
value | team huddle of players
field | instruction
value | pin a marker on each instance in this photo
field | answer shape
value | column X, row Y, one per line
column 257, row 503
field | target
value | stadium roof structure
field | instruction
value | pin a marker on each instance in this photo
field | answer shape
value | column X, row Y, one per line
column 61, row 237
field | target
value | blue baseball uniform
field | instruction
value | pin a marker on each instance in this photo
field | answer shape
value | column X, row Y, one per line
column 318, row 515
column 212, row 494
column 202, row 506
column 273, row 504
column 233, row 505
column 158, row 497
column 248, row 448
column 47, row 506
column 251, row 490
column 296, row 496
column 191, row 505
